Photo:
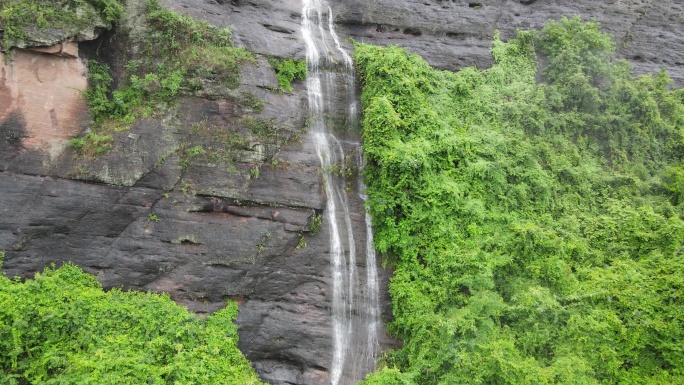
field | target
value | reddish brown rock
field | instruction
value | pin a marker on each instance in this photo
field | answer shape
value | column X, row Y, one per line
column 44, row 86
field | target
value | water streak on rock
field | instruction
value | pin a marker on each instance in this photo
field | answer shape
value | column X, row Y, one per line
column 355, row 305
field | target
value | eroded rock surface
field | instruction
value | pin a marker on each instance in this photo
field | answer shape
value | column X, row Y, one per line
column 453, row 34
column 201, row 250
column 147, row 216
column 40, row 97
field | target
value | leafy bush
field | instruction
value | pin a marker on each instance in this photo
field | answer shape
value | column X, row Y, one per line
column 288, row 70
column 62, row 328
column 536, row 235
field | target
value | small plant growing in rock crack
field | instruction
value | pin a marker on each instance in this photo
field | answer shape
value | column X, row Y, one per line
column 254, row 172
column 187, row 188
column 162, row 160
column 252, row 102
column 315, row 224
column 309, row 122
column 152, row 217
column 186, row 154
column 80, row 171
column 265, row 235
column 302, row 242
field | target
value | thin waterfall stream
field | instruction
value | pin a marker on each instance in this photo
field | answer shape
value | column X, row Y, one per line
column 355, row 305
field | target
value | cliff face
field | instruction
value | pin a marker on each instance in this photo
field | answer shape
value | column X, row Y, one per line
column 456, row 34
column 453, row 34
column 205, row 232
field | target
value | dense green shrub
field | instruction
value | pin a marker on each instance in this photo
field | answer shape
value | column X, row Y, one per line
column 62, row 328
column 532, row 212
column 288, row 70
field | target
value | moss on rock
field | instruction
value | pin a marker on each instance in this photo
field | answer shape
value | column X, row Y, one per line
column 29, row 23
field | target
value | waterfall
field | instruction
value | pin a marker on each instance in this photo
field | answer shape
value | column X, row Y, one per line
column 355, row 307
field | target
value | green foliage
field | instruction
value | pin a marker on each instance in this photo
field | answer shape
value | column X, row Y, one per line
column 152, row 217
column 387, row 376
column 288, row 70
column 177, row 52
column 301, row 243
column 270, row 134
column 674, row 182
column 536, row 228
column 220, row 143
column 315, row 223
column 24, row 20
column 92, row 144
column 190, row 48
column 62, row 328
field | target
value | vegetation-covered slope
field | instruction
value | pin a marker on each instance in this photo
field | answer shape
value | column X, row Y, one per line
column 177, row 54
column 533, row 212
column 34, row 20
column 62, row 328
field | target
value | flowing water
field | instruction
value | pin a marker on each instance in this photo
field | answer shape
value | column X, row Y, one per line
column 355, row 306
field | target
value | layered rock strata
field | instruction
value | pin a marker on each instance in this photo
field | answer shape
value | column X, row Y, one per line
column 453, row 34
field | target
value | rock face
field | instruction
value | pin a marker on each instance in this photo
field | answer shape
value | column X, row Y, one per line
column 456, row 34
column 141, row 217
column 453, row 34
column 43, row 91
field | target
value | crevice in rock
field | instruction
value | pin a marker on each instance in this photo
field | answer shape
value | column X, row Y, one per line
column 643, row 12
column 279, row 29
column 412, row 31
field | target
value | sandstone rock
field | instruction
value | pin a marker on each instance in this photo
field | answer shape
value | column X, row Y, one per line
column 68, row 49
column 45, row 90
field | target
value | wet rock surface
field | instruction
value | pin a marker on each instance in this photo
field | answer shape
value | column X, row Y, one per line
column 456, row 34
column 453, row 34
column 145, row 216
column 202, row 250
